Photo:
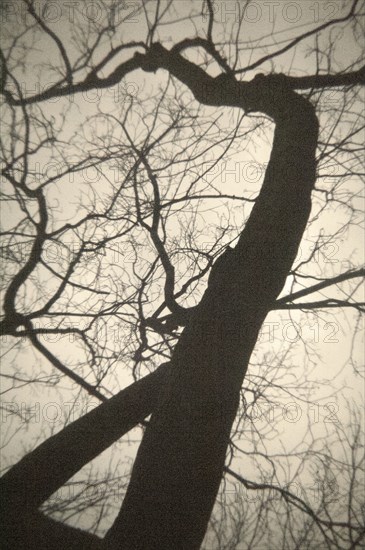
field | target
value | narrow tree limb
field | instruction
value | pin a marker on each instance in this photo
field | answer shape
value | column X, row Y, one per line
column 151, row 61
column 302, row 37
column 323, row 304
column 32, row 481
column 320, row 286
column 322, row 81
column 35, row 531
column 294, row 500
column 62, row 368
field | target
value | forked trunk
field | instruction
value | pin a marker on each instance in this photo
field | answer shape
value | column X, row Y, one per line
column 179, row 465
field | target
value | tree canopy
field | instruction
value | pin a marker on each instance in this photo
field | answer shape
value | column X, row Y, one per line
column 182, row 238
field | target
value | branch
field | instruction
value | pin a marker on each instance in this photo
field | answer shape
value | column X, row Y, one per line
column 59, row 366
column 319, row 286
column 320, row 304
column 35, row 530
column 327, row 80
column 91, row 82
column 153, row 230
column 31, row 481
column 218, row 91
column 292, row 499
column 299, row 39
column 55, row 38
column 12, row 317
column 211, row 20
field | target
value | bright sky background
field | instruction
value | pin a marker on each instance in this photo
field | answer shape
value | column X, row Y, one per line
column 330, row 370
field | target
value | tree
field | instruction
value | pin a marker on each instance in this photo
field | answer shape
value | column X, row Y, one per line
column 198, row 309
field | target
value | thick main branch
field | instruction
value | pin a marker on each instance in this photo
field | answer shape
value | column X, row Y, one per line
column 180, row 461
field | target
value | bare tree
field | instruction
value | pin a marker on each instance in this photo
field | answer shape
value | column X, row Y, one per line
column 132, row 169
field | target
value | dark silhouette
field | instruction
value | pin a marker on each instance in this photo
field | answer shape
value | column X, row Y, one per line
column 194, row 397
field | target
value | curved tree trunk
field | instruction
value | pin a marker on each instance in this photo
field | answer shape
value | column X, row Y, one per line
column 34, row 531
column 179, row 465
column 30, row 482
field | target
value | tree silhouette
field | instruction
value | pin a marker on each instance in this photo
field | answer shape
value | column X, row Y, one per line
column 191, row 312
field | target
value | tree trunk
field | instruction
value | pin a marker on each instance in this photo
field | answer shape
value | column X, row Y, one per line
column 34, row 531
column 31, row 481
column 179, row 464
column 180, row 461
